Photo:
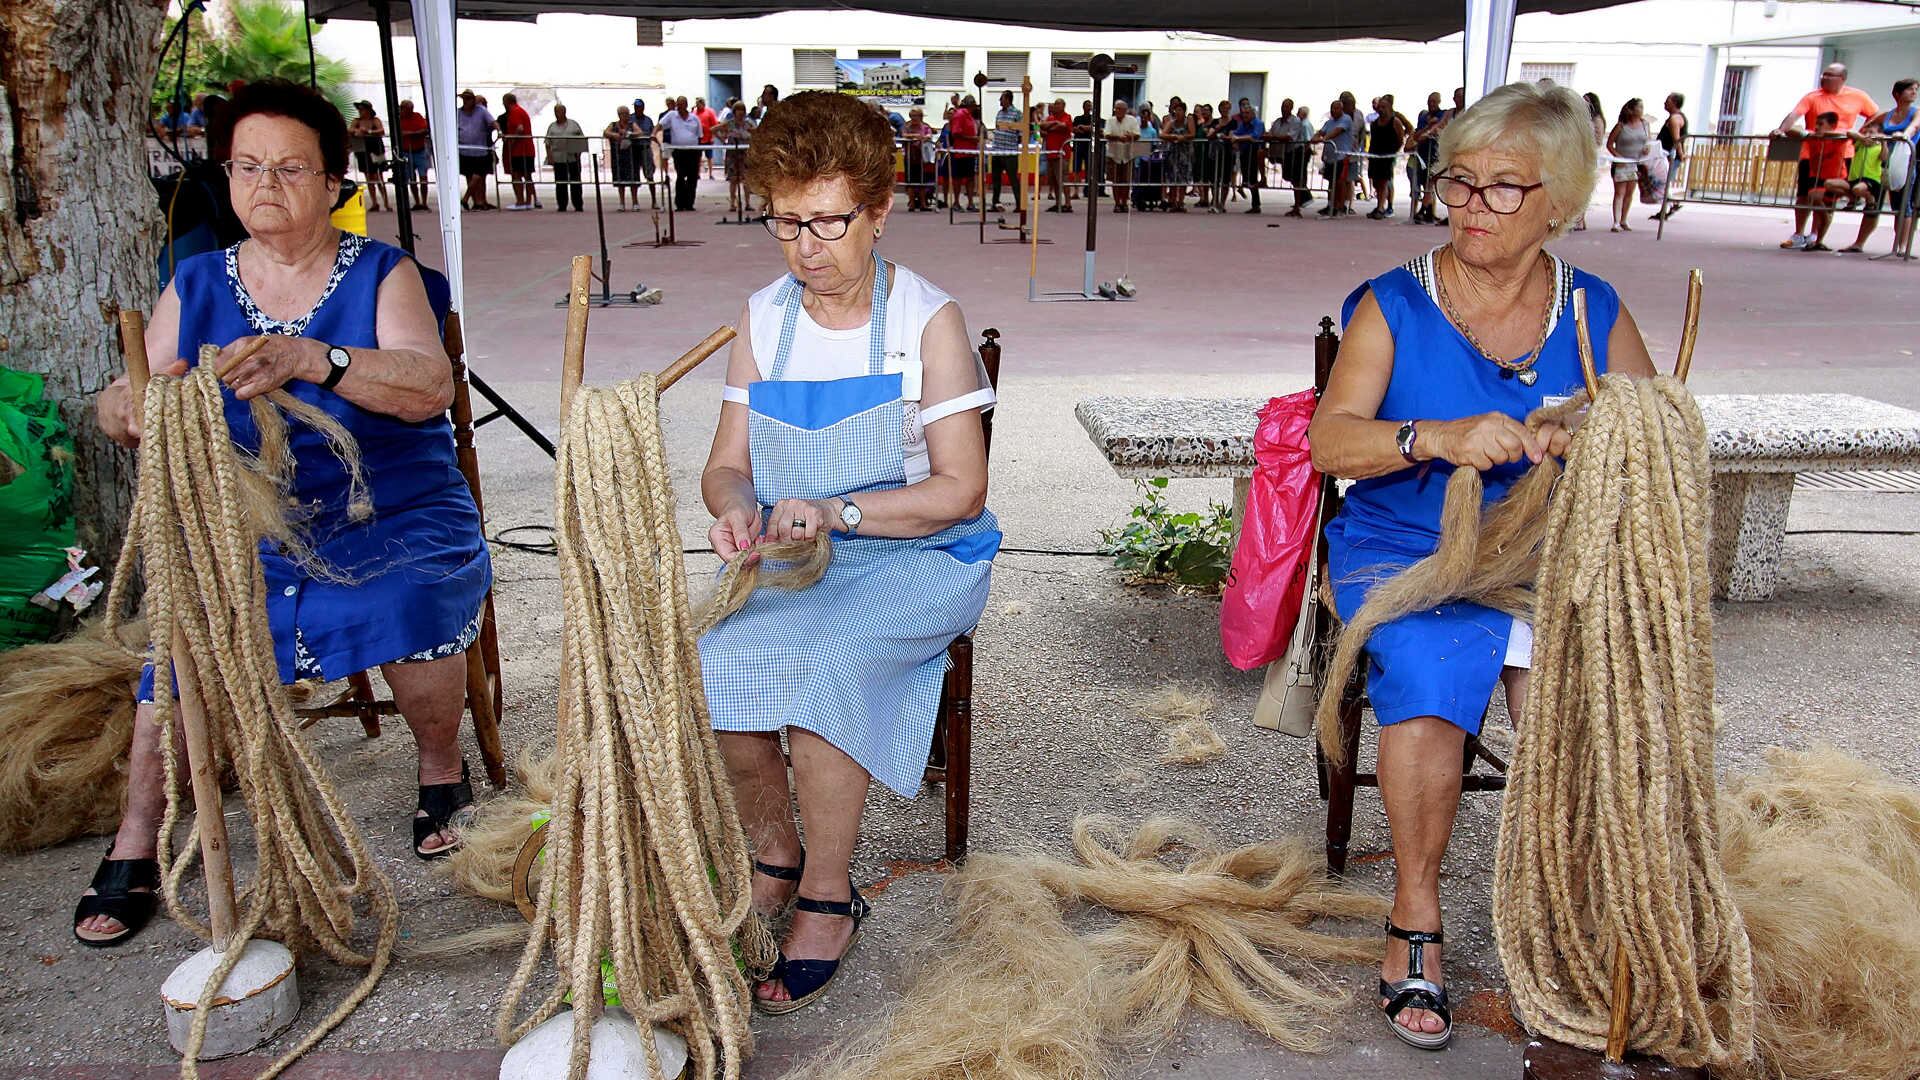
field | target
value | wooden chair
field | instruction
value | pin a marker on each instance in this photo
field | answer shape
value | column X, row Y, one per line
column 950, row 759
column 485, row 699
column 1338, row 782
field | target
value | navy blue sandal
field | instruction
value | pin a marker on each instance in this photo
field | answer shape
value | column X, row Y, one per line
column 1416, row 991
column 806, row 980
column 783, row 873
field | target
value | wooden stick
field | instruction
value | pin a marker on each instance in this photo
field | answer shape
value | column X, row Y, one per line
column 247, row 350
column 1690, row 329
column 1586, row 343
column 573, row 355
column 193, row 715
column 693, row 358
column 1622, row 1003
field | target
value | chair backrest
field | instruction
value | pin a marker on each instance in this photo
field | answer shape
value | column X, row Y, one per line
column 1326, row 349
column 989, row 359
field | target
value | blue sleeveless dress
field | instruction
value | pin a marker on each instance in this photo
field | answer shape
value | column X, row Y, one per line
column 417, row 570
column 1445, row 661
column 858, row 658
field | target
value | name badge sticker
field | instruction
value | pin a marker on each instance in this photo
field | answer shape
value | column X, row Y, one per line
column 909, row 372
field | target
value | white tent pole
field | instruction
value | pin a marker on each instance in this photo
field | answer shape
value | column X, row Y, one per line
column 433, row 32
column 1487, row 45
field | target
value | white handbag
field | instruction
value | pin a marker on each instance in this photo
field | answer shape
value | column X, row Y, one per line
column 1291, row 692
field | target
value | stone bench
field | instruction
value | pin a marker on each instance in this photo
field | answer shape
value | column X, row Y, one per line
column 1757, row 444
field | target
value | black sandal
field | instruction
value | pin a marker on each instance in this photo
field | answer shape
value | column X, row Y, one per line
column 113, row 884
column 443, row 805
column 806, row 980
column 1416, row 991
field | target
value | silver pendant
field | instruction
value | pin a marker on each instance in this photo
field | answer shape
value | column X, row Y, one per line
column 1529, row 377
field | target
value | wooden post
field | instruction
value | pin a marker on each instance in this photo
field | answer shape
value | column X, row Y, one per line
column 1583, row 333
column 573, row 354
column 1617, row 1018
column 201, row 766
column 693, row 358
column 1690, row 329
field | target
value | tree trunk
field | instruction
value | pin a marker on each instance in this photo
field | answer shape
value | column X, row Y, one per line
column 78, row 221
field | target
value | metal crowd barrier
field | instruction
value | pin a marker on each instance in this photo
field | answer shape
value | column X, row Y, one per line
column 1763, row 171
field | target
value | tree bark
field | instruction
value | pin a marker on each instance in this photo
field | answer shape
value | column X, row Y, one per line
column 79, row 225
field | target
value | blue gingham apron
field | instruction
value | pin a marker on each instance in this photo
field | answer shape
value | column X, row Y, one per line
column 858, row 658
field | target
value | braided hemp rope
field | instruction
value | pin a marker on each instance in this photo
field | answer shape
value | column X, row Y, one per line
column 199, row 516
column 1609, row 837
column 646, row 859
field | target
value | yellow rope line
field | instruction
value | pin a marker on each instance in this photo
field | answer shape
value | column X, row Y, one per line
column 1609, row 837
column 647, row 862
column 200, row 513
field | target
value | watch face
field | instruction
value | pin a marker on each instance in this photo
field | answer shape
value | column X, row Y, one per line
column 850, row 515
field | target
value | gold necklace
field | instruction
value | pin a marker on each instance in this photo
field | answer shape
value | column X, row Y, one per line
column 1523, row 367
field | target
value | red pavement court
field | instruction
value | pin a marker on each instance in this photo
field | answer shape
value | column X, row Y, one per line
column 1217, row 294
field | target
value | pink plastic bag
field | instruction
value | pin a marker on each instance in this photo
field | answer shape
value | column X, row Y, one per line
column 1265, row 588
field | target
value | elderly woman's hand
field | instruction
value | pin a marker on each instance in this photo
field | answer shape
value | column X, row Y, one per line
column 736, row 530
column 799, row 519
column 1482, row 442
column 114, row 408
column 252, row 366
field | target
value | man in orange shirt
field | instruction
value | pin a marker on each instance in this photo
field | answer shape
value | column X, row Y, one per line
column 1850, row 106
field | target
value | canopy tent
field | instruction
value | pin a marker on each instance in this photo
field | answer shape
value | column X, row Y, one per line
column 1487, row 25
column 1302, row 20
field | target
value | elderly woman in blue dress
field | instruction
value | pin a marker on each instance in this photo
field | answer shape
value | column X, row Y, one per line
column 343, row 323
column 1442, row 360
column 852, row 406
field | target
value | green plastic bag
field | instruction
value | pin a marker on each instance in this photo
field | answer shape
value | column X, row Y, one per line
column 36, row 505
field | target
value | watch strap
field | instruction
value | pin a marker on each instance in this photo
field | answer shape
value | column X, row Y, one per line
column 335, row 372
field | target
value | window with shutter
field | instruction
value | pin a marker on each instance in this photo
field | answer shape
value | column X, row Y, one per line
column 649, row 32
column 879, row 54
column 1557, row 74
column 946, row 69
column 1071, row 78
column 723, row 61
column 1006, row 69
column 813, row 67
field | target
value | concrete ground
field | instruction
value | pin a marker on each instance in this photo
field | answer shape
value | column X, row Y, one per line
column 1066, row 648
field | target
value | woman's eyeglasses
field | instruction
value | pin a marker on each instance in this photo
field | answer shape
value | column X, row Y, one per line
column 1499, row 198
column 826, row 226
column 253, row 172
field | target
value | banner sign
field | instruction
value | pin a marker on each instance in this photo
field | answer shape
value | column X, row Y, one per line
column 890, row 83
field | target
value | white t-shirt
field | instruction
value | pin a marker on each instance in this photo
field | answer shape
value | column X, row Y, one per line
column 819, row 354
column 1126, row 151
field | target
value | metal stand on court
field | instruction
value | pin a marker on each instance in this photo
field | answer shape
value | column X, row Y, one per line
column 1099, row 67
column 640, row 295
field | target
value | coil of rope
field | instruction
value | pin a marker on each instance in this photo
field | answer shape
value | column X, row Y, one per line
column 646, row 860
column 200, row 514
column 1609, row 841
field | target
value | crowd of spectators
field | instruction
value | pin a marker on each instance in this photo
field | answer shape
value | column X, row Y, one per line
column 1210, row 157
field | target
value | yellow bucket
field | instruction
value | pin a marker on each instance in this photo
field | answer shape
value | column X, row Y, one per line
column 353, row 216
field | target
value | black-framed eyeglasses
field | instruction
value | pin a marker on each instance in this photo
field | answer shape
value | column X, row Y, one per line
column 826, row 226
column 1499, row 198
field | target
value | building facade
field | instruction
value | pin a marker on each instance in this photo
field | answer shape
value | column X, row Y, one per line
column 1740, row 63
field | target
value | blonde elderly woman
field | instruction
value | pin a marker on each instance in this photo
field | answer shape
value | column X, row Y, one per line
column 852, row 406
column 1443, row 357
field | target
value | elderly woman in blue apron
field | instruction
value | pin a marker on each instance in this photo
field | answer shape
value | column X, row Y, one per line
column 851, row 406
column 346, row 324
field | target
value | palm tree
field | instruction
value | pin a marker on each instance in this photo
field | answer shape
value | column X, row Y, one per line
column 270, row 41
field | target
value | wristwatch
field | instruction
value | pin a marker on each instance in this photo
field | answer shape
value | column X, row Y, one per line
column 849, row 516
column 338, row 360
column 1404, row 440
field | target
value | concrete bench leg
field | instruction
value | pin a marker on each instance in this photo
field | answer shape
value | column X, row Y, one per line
column 1749, row 533
column 1242, row 487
